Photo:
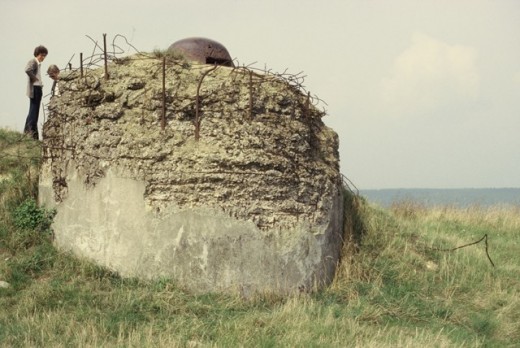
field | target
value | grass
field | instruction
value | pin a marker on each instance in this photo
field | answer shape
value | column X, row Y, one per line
column 392, row 288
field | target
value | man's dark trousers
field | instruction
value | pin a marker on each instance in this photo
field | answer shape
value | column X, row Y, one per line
column 31, row 124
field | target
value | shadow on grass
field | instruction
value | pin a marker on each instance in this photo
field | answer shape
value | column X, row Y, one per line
column 354, row 226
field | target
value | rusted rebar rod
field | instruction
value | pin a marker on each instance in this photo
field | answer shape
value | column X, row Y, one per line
column 250, row 95
column 163, row 119
column 105, row 55
column 307, row 105
column 81, row 63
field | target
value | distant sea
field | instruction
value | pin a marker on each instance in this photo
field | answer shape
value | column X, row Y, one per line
column 454, row 197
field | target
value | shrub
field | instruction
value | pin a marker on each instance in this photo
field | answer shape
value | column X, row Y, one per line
column 29, row 216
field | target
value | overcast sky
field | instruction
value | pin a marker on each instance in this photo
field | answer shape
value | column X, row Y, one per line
column 423, row 94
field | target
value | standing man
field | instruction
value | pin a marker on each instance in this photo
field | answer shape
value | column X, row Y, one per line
column 34, row 90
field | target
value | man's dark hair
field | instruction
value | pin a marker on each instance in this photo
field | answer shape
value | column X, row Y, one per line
column 39, row 50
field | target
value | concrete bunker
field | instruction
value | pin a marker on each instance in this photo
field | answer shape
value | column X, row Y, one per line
column 253, row 205
column 203, row 50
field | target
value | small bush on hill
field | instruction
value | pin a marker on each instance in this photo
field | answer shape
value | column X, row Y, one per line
column 29, row 216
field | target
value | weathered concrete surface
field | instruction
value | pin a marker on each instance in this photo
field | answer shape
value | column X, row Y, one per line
column 204, row 249
column 254, row 205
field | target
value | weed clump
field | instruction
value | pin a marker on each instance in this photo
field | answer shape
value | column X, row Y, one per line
column 29, row 216
column 25, row 231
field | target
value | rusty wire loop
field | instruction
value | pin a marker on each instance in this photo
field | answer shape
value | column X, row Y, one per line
column 100, row 56
column 484, row 238
column 347, row 183
column 121, row 50
column 96, row 60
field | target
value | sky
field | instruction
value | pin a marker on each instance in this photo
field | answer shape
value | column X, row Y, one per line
column 422, row 93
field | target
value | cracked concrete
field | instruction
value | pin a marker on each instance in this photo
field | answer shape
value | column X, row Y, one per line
column 254, row 205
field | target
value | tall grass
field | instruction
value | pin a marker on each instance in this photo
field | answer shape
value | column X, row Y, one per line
column 393, row 287
column 19, row 163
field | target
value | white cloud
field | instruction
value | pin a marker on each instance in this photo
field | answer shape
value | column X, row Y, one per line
column 430, row 75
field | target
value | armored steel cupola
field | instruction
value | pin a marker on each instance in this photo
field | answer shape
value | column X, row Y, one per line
column 203, row 50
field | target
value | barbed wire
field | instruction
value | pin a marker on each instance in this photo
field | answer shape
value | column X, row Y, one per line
column 120, row 50
column 118, row 53
column 257, row 76
column 347, row 183
column 484, row 238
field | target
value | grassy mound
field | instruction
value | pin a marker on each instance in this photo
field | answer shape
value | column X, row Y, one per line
column 399, row 283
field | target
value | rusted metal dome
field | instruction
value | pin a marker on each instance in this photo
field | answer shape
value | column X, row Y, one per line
column 203, row 50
